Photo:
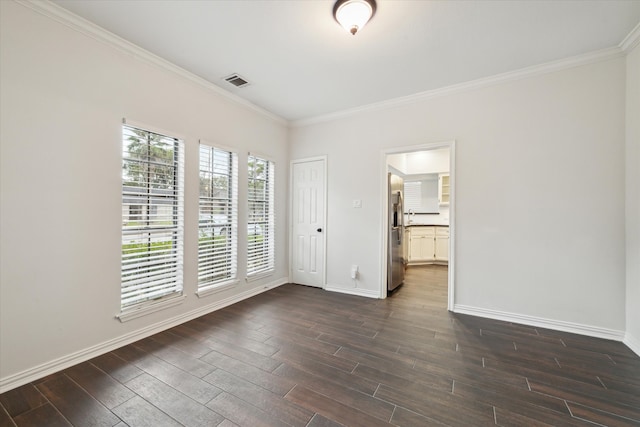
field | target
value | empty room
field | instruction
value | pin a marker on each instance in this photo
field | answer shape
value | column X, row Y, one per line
column 319, row 213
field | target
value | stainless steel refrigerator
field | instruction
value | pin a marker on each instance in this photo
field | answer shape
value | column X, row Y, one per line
column 395, row 252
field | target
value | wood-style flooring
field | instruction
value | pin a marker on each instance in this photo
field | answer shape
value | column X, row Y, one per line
column 299, row 356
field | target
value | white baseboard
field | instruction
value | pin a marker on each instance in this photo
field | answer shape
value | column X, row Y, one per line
column 353, row 291
column 559, row 325
column 632, row 342
column 16, row 380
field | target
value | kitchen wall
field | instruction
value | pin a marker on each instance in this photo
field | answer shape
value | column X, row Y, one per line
column 421, row 162
column 539, row 192
column 64, row 95
column 632, row 157
column 442, row 218
column 411, row 166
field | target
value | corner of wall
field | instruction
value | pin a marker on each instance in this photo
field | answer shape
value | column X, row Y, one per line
column 632, row 342
column 632, row 194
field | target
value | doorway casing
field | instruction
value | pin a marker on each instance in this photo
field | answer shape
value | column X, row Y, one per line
column 452, row 213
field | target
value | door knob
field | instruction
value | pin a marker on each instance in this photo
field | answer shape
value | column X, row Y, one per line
column 319, row 230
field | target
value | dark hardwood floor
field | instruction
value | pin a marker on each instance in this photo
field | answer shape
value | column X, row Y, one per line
column 299, row 356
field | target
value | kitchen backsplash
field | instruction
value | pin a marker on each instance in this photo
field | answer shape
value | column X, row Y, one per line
column 429, row 219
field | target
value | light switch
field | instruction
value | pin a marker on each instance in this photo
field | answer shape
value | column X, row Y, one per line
column 357, row 203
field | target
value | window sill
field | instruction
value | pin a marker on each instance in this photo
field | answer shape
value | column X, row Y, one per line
column 143, row 310
column 219, row 287
column 259, row 275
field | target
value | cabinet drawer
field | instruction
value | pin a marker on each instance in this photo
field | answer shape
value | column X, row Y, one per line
column 442, row 231
column 422, row 231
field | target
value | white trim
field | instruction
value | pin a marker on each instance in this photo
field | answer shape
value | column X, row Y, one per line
column 259, row 275
column 324, row 226
column 261, row 155
column 143, row 309
column 222, row 147
column 559, row 325
column 562, row 64
column 152, row 129
column 218, row 287
column 631, row 40
column 451, row 300
column 367, row 293
column 452, row 218
column 16, row 380
column 88, row 28
column 632, row 342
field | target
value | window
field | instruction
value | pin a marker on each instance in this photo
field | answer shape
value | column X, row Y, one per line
column 152, row 217
column 218, row 218
column 412, row 196
column 261, row 223
column 421, row 194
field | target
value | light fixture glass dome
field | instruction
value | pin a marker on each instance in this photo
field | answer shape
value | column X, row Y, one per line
column 353, row 15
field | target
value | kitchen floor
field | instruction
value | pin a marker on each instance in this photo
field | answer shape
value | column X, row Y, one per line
column 304, row 357
column 426, row 284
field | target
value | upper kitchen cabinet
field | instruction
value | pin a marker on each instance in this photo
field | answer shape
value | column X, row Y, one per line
column 443, row 189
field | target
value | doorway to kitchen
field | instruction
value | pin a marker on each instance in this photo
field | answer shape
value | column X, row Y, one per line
column 428, row 174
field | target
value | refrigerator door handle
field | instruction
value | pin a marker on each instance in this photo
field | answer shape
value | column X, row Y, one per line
column 401, row 208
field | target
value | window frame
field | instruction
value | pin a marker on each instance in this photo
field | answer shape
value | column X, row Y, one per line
column 265, row 265
column 205, row 287
column 169, row 262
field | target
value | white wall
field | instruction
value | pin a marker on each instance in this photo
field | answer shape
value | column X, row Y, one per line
column 432, row 161
column 63, row 98
column 539, row 192
column 632, row 156
column 421, row 162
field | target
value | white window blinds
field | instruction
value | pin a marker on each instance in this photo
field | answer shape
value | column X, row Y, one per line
column 261, row 220
column 218, row 218
column 152, row 217
column 412, row 196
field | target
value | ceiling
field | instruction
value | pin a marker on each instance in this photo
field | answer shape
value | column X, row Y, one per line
column 301, row 64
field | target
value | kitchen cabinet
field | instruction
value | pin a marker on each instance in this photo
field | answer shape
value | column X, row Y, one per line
column 405, row 244
column 442, row 244
column 443, row 189
column 428, row 244
column 421, row 244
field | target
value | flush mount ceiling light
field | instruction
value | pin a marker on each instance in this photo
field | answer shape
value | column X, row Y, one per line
column 353, row 15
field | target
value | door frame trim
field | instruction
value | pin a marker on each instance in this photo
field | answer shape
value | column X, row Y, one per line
column 324, row 227
column 451, row 145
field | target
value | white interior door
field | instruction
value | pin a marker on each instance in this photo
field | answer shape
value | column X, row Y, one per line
column 308, row 222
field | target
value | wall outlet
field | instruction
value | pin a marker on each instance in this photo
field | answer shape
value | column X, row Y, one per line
column 354, row 271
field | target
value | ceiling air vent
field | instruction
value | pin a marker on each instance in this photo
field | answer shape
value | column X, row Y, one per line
column 237, row 81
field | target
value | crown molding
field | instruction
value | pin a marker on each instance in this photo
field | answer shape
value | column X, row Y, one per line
column 88, row 28
column 536, row 70
column 631, row 41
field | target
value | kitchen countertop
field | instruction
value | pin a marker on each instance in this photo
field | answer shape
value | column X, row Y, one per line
column 426, row 225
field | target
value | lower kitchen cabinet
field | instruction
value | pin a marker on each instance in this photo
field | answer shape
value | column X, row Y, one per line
column 421, row 244
column 405, row 245
column 428, row 244
column 442, row 244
